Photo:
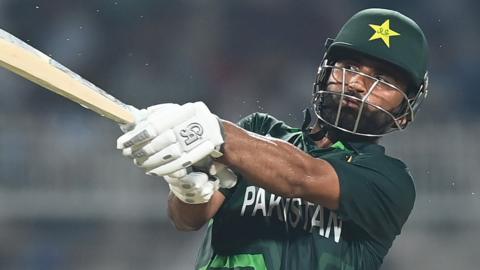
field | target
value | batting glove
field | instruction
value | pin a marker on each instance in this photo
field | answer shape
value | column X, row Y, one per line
column 199, row 185
column 172, row 137
column 193, row 188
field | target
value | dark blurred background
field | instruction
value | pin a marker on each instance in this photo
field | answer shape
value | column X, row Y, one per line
column 69, row 200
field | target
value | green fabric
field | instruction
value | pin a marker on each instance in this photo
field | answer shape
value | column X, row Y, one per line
column 249, row 261
column 407, row 45
column 378, row 201
column 339, row 145
column 377, row 196
column 327, row 260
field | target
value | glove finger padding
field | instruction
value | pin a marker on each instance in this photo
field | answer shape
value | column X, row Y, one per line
column 149, row 148
column 193, row 180
column 194, row 188
column 227, row 177
column 154, row 122
column 184, row 161
column 161, row 157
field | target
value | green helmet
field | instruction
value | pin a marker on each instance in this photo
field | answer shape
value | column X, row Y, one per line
column 385, row 35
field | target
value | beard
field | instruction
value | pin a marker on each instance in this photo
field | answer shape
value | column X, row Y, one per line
column 372, row 120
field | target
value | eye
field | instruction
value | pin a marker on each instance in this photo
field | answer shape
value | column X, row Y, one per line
column 351, row 66
column 346, row 65
column 384, row 78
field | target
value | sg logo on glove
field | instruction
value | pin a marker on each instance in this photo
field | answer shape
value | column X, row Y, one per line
column 193, row 132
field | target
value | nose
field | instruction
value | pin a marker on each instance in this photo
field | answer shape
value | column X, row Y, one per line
column 357, row 83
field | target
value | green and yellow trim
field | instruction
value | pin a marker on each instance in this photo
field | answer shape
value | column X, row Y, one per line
column 255, row 261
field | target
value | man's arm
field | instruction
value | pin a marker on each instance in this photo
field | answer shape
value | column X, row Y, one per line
column 169, row 140
column 191, row 217
column 280, row 167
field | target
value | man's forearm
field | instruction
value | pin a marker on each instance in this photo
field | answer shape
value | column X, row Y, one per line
column 280, row 167
column 190, row 217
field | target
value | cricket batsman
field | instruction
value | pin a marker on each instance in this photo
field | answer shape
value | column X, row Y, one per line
column 324, row 196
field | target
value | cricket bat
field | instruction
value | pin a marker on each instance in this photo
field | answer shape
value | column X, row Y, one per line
column 26, row 61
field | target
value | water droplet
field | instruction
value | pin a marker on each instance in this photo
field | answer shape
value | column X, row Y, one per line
column 98, row 10
column 68, row 39
column 81, row 27
column 37, row 7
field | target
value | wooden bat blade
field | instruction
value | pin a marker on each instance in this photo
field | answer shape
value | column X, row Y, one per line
column 19, row 57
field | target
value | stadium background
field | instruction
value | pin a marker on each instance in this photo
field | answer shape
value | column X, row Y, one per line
column 68, row 200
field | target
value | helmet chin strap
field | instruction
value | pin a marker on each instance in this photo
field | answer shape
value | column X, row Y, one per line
column 317, row 136
column 309, row 124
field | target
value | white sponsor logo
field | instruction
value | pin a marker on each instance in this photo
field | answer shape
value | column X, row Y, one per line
column 294, row 212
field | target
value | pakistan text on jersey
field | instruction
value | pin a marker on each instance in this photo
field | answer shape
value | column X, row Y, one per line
column 295, row 212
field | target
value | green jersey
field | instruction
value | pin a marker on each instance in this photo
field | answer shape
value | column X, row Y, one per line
column 256, row 229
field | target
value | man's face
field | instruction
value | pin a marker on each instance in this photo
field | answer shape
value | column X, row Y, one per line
column 378, row 84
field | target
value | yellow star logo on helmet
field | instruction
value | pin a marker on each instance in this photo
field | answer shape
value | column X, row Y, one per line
column 383, row 32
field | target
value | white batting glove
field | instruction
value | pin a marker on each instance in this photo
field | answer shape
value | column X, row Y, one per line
column 227, row 178
column 215, row 170
column 140, row 114
column 198, row 186
column 172, row 137
column 193, row 188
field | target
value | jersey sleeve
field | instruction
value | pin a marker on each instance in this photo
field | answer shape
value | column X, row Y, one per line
column 377, row 199
column 259, row 123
